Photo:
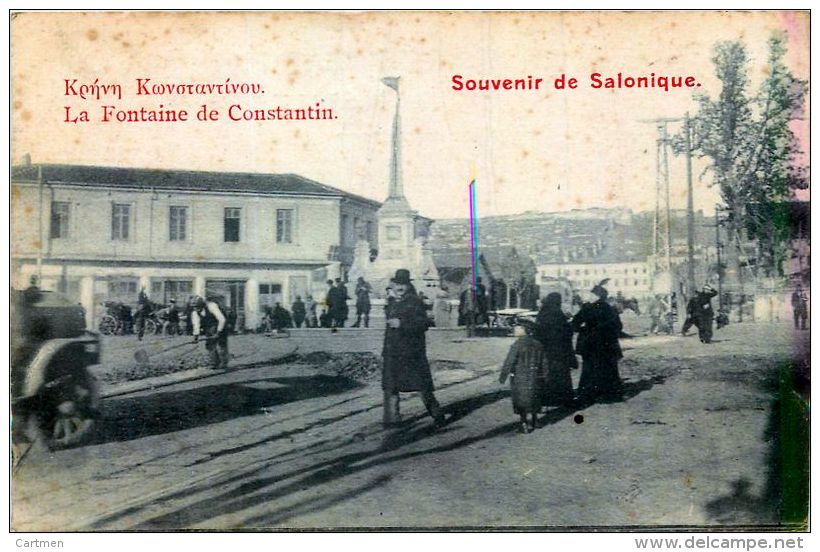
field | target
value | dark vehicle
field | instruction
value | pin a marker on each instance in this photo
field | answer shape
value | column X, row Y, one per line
column 117, row 320
column 54, row 396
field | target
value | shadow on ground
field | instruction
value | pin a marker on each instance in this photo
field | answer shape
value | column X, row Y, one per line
column 135, row 417
column 783, row 501
column 256, row 487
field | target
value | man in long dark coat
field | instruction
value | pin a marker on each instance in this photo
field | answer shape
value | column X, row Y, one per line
column 363, row 290
column 555, row 335
column 299, row 311
column 699, row 312
column 481, row 303
column 800, row 308
column 406, row 367
column 599, row 326
column 338, row 304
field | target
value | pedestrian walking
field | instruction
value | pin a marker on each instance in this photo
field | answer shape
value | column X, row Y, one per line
column 208, row 318
column 337, row 303
column 554, row 333
column 343, row 299
column 467, row 310
column 363, row 291
column 142, row 313
column 481, row 303
column 299, row 312
column 800, row 308
column 655, row 313
column 599, row 326
column 329, row 306
column 525, row 364
column 699, row 312
column 311, row 320
column 406, row 367
column 169, row 316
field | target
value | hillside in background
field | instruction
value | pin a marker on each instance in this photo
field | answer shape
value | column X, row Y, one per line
column 578, row 236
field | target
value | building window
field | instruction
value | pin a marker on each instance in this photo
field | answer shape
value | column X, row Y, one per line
column 370, row 237
column 233, row 216
column 59, row 219
column 635, row 282
column 120, row 221
column 178, row 223
column 284, row 226
column 269, row 295
column 125, row 289
column 394, row 233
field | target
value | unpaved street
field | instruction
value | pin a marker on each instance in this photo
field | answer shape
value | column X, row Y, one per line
column 708, row 434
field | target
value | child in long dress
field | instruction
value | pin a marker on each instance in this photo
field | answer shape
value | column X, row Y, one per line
column 525, row 365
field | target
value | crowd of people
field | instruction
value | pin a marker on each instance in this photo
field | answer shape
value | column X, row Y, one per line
column 538, row 364
column 331, row 312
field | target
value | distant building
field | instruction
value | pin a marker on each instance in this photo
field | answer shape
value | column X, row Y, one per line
column 510, row 277
column 633, row 279
column 103, row 233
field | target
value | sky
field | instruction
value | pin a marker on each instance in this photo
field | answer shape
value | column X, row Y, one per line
column 529, row 150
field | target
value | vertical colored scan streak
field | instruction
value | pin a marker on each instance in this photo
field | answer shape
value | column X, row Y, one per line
column 473, row 232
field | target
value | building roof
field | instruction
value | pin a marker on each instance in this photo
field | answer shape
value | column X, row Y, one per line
column 494, row 259
column 180, row 180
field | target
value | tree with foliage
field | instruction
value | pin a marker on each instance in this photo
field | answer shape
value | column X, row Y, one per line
column 777, row 171
column 752, row 151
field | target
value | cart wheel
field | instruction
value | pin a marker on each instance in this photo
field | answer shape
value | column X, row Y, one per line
column 108, row 325
column 69, row 410
column 151, row 327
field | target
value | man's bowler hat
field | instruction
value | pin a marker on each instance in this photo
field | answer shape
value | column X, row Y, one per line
column 402, row 277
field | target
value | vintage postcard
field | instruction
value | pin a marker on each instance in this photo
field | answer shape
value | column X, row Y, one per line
column 410, row 271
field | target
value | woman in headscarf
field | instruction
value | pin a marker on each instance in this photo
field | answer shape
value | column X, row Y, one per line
column 554, row 333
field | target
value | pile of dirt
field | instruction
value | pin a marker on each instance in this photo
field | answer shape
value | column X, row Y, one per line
column 155, row 367
column 356, row 366
column 364, row 367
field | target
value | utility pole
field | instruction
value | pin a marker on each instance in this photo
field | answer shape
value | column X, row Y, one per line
column 665, row 150
column 718, row 247
column 690, row 207
column 662, row 230
column 40, row 185
column 662, row 188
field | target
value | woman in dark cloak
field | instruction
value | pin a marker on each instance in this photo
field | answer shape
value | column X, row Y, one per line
column 599, row 326
column 555, row 334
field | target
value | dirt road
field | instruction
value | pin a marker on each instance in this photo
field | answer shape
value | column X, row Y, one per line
column 708, row 435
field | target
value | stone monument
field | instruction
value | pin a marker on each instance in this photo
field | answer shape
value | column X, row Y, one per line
column 402, row 237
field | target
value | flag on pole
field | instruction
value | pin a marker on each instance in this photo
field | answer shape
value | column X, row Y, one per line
column 392, row 82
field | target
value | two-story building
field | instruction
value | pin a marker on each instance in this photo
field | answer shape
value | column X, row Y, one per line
column 104, row 233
